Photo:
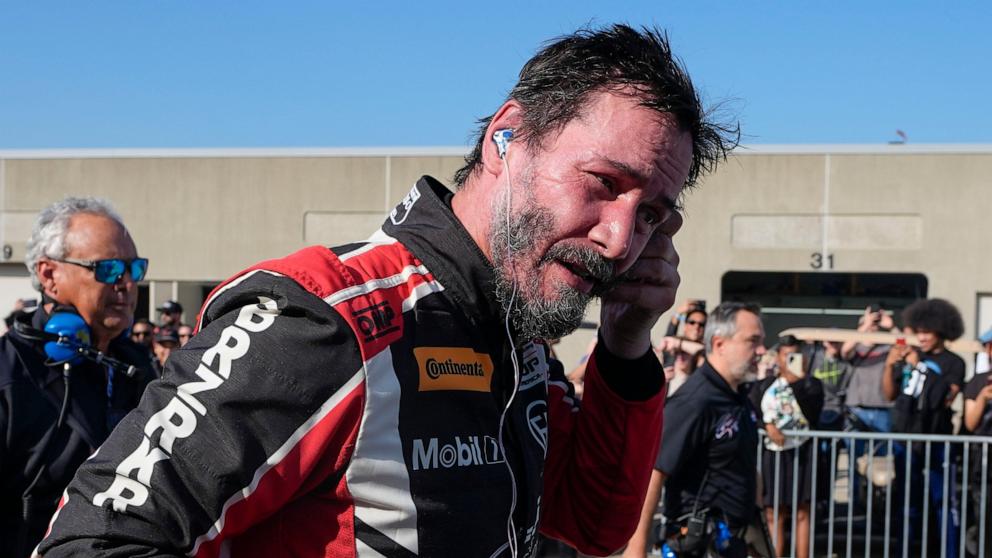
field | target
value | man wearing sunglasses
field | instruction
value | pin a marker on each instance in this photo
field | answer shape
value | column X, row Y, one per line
column 82, row 260
column 142, row 332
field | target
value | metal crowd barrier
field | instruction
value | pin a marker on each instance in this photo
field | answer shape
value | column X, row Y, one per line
column 887, row 478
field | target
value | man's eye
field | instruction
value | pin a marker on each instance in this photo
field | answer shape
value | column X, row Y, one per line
column 650, row 216
column 606, row 182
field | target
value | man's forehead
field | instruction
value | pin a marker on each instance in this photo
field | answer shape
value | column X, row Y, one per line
column 92, row 234
column 746, row 318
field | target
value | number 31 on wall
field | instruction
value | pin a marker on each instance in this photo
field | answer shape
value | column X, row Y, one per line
column 818, row 261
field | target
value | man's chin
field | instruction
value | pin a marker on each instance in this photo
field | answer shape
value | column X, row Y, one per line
column 116, row 323
column 550, row 319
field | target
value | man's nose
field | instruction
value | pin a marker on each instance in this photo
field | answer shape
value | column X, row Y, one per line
column 125, row 281
column 614, row 233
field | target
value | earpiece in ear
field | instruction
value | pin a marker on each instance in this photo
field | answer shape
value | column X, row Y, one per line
column 502, row 138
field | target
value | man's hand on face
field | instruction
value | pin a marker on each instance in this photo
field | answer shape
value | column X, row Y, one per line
column 642, row 294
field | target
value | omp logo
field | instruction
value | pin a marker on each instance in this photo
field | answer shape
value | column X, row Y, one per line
column 396, row 215
column 179, row 417
column 534, row 365
column 467, row 451
column 375, row 321
column 453, row 368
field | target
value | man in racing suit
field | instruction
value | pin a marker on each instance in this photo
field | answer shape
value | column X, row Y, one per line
column 375, row 400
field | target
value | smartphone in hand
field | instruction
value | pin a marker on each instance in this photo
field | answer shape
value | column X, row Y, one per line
column 795, row 364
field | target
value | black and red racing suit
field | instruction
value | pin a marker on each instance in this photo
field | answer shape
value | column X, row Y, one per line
column 347, row 401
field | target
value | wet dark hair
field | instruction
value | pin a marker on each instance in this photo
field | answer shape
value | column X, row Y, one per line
column 936, row 315
column 555, row 85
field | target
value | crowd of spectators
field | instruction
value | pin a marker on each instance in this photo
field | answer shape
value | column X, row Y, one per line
column 162, row 338
column 829, row 386
column 799, row 386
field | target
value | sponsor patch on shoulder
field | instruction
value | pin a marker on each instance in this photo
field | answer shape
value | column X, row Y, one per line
column 453, row 368
column 401, row 211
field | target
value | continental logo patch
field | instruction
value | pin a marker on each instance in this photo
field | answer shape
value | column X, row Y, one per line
column 453, row 368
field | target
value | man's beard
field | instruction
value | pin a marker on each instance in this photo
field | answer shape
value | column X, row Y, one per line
column 533, row 315
column 744, row 372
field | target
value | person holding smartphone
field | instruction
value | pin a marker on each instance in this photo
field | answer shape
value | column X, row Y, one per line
column 922, row 382
column 792, row 400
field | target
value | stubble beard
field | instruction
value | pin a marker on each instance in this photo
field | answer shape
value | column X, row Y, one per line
column 533, row 315
column 744, row 372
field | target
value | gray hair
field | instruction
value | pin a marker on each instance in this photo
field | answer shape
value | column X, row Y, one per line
column 723, row 321
column 48, row 235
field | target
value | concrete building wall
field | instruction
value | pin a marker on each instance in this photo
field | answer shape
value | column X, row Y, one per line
column 201, row 215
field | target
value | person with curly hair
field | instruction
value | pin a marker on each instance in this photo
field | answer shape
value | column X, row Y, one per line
column 923, row 382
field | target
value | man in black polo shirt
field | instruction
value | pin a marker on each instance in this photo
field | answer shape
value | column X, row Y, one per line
column 710, row 438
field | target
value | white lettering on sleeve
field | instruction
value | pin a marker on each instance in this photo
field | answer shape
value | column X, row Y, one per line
column 143, row 459
column 170, row 429
column 187, row 391
column 178, row 419
column 117, row 493
column 265, row 312
column 227, row 352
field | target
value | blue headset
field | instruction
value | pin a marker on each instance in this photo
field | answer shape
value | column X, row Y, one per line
column 68, row 325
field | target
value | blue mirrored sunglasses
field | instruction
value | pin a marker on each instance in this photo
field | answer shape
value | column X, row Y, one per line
column 111, row 271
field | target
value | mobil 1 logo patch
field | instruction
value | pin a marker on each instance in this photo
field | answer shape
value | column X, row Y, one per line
column 457, row 451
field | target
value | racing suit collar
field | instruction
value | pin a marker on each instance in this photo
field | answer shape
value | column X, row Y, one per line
column 432, row 232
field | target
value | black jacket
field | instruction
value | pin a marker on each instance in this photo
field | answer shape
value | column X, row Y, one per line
column 31, row 395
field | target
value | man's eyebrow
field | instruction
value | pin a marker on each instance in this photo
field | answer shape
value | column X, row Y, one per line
column 641, row 177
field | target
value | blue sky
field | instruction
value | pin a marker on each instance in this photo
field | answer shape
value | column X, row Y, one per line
column 327, row 74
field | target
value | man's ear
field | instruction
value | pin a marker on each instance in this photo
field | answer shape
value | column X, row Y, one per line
column 46, row 271
column 508, row 117
column 718, row 342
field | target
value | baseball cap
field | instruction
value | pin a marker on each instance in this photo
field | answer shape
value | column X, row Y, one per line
column 986, row 337
column 171, row 306
column 166, row 335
